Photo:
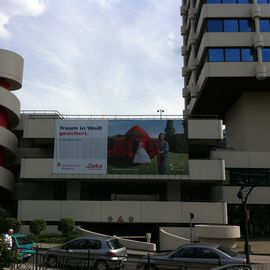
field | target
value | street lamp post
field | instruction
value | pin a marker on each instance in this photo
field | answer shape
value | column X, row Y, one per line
column 243, row 194
column 160, row 113
column 191, row 216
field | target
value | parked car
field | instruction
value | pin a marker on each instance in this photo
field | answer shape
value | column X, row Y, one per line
column 198, row 255
column 23, row 245
column 101, row 253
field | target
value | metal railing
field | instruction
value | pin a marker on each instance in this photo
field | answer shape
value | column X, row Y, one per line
column 56, row 115
column 42, row 260
column 53, row 114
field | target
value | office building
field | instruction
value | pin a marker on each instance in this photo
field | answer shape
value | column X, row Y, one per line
column 226, row 52
column 226, row 69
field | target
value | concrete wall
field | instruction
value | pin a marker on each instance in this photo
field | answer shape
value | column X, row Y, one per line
column 259, row 195
column 140, row 211
column 39, row 128
column 247, row 123
column 243, row 159
column 199, row 170
column 173, row 237
column 205, row 129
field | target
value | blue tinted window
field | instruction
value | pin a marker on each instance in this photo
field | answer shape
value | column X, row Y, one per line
column 213, row 1
column 214, row 25
column 232, row 55
column 265, row 25
column 247, row 55
column 262, row 1
column 215, row 55
column 266, row 54
column 230, row 26
column 245, row 25
column 229, row 1
column 244, row 1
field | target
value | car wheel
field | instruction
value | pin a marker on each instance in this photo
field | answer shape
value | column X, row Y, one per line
column 101, row 265
column 51, row 261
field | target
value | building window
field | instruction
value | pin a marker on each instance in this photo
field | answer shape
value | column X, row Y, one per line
column 263, row 1
column 247, row 55
column 230, row 1
column 44, row 190
column 229, row 25
column 195, row 193
column 258, row 177
column 214, row 26
column 232, row 55
column 213, row 1
column 245, row 25
column 265, row 25
column 215, row 55
column 266, row 54
column 259, row 215
column 106, row 191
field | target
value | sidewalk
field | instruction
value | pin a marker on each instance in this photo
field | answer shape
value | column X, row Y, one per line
column 260, row 259
column 259, row 253
column 257, row 247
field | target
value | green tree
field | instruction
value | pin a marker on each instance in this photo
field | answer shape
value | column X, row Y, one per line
column 169, row 129
column 66, row 226
column 7, row 257
column 11, row 223
column 37, row 226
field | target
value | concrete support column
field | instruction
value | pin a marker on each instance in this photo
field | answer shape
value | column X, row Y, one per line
column 173, row 191
column 73, row 190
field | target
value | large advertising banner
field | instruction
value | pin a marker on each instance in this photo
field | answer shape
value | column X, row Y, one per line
column 121, row 147
column 80, row 147
column 147, row 147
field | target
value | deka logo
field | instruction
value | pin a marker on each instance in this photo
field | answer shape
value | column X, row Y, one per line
column 94, row 166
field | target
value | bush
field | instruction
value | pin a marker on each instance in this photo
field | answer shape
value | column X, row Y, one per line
column 37, row 226
column 71, row 236
column 66, row 226
column 11, row 223
column 8, row 257
column 54, row 238
column 1, row 245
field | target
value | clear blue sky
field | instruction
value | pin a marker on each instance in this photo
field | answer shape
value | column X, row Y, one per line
column 96, row 56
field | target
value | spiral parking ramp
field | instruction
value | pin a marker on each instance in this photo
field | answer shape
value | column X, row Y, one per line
column 11, row 72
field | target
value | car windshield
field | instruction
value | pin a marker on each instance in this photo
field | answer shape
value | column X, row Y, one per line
column 24, row 240
column 114, row 244
column 227, row 251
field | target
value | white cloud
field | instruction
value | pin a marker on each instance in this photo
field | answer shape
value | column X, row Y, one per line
column 3, row 22
column 99, row 56
column 12, row 8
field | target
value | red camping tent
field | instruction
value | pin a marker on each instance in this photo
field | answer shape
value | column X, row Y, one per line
column 124, row 146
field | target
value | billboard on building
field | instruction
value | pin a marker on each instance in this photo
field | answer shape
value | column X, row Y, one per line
column 80, row 147
column 121, row 147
